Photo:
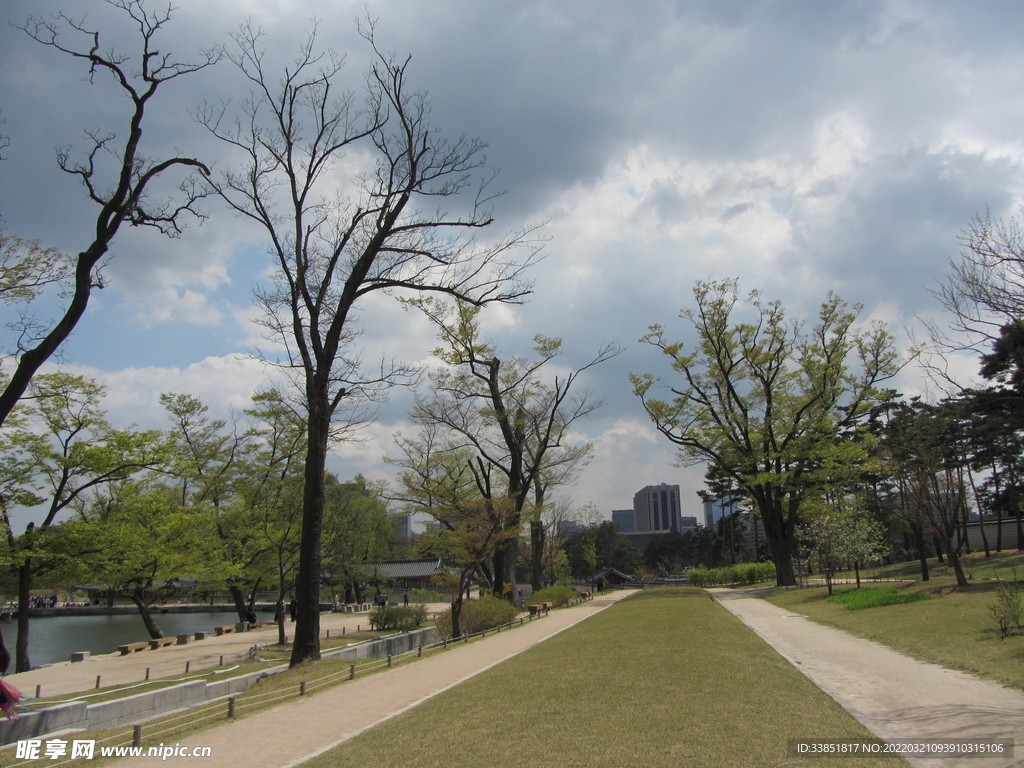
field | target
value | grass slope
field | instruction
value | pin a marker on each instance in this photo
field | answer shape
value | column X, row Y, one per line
column 665, row 678
column 953, row 629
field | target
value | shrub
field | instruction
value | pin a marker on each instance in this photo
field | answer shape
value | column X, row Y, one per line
column 557, row 596
column 399, row 617
column 476, row 616
column 425, row 596
column 744, row 573
column 1007, row 608
column 876, row 598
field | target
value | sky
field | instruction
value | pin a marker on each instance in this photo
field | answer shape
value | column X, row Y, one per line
column 801, row 147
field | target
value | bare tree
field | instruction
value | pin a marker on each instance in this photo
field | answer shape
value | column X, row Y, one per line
column 115, row 172
column 332, row 248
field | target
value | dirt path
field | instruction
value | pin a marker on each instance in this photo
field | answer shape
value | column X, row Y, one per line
column 894, row 695
column 292, row 733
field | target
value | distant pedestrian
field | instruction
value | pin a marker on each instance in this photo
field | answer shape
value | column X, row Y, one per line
column 293, row 609
column 405, row 599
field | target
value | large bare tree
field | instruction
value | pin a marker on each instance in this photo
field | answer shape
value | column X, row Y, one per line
column 335, row 240
column 115, row 171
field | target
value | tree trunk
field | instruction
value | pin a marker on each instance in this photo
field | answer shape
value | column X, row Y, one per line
column 856, row 571
column 306, row 644
column 954, row 559
column 138, row 598
column 21, row 660
column 505, row 569
column 782, row 557
column 5, row 655
column 537, row 552
column 239, row 600
column 922, row 555
column 252, row 599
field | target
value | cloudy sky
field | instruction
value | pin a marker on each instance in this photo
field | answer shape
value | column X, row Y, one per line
column 802, row 147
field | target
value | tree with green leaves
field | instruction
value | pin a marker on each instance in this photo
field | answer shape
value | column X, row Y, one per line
column 772, row 404
column 452, row 484
column 515, row 421
column 930, row 469
column 357, row 531
column 149, row 542
column 388, row 232
column 265, row 523
column 74, row 453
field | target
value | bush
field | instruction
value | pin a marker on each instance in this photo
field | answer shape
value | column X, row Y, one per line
column 876, row 598
column 744, row 573
column 425, row 596
column 398, row 617
column 557, row 596
column 1007, row 608
column 476, row 616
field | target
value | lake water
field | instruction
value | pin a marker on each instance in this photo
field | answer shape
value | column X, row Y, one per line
column 55, row 638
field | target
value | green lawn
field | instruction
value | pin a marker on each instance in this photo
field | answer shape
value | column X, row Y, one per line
column 954, row 628
column 665, row 678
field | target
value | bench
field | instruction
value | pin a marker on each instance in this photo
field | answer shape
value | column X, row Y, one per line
column 132, row 647
column 226, row 629
column 534, row 609
column 160, row 642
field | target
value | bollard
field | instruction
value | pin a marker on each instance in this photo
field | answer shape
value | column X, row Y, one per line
column 357, row 627
column 147, row 673
column 328, row 634
column 39, row 691
column 302, row 688
column 97, row 682
column 351, row 671
column 188, row 664
column 136, row 735
column 222, row 660
column 419, row 651
column 231, row 707
column 389, row 660
column 343, row 630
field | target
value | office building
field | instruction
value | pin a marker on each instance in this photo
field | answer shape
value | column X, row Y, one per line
column 624, row 519
column 656, row 508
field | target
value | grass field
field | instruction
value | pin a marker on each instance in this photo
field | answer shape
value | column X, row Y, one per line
column 954, row 628
column 665, row 678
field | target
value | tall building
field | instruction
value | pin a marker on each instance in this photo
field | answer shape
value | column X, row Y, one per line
column 716, row 510
column 624, row 519
column 656, row 508
column 403, row 525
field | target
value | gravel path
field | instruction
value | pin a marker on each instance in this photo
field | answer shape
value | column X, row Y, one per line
column 894, row 695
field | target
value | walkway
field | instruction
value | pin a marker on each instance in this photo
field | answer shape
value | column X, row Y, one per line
column 292, row 733
column 894, row 695
column 169, row 662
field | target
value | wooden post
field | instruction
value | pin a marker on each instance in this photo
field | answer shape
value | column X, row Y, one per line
column 231, row 707
column 328, row 634
column 188, row 664
column 221, row 660
column 136, row 735
column 147, row 673
column 351, row 671
column 389, row 659
column 39, row 691
column 97, row 682
column 343, row 630
column 419, row 651
column 302, row 688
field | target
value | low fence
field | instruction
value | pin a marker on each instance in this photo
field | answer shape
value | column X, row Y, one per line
column 229, row 704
